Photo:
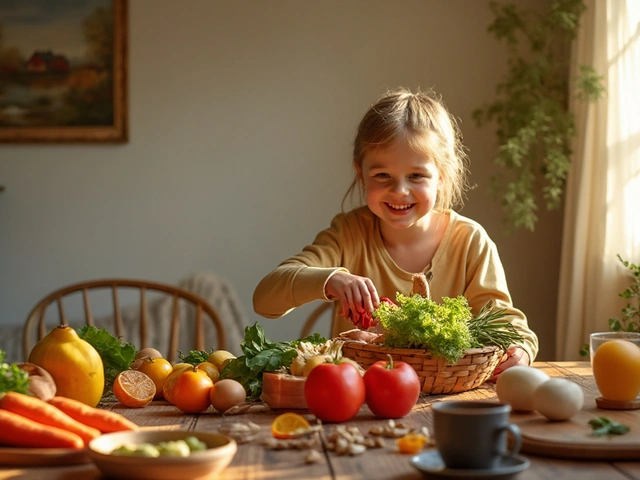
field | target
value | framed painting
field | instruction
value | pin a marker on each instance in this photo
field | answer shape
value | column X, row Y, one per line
column 63, row 71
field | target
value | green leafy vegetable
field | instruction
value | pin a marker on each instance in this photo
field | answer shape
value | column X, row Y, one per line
column 447, row 329
column 262, row 355
column 195, row 357
column 418, row 322
column 116, row 355
column 605, row 426
column 12, row 378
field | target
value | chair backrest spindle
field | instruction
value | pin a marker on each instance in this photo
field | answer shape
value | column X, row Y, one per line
column 117, row 315
column 63, row 317
column 199, row 328
column 144, row 320
column 175, row 324
column 87, row 307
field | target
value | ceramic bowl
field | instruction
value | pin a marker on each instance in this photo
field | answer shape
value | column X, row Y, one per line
column 199, row 465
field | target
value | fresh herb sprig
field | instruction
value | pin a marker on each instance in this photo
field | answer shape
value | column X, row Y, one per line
column 12, row 378
column 487, row 330
column 116, row 355
column 262, row 355
column 605, row 426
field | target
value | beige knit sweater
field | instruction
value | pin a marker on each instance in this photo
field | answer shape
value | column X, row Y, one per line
column 466, row 263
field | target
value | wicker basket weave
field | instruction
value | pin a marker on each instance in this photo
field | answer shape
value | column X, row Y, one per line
column 436, row 376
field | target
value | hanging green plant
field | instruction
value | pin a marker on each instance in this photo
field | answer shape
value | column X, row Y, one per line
column 534, row 125
column 629, row 321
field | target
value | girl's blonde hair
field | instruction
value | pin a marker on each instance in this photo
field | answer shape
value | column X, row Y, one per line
column 421, row 120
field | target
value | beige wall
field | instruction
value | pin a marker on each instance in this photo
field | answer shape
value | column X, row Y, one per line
column 242, row 115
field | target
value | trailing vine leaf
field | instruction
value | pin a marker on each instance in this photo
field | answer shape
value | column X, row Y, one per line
column 533, row 123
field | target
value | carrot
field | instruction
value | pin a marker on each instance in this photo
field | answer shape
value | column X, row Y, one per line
column 19, row 431
column 41, row 412
column 104, row 420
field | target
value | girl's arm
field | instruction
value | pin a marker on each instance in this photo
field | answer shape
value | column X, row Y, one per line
column 303, row 277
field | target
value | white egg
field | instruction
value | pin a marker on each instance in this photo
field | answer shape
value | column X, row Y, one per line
column 558, row 399
column 516, row 385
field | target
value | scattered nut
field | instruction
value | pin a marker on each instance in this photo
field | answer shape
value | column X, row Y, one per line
column 247, row 407
column 356, row 449
column 292, row 443
column 313, row 456
column 390, row 430
column 240, row 432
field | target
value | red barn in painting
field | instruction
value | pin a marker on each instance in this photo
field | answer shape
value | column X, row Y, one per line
column 47, row 62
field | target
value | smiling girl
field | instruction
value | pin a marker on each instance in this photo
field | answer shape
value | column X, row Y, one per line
column 410, row 168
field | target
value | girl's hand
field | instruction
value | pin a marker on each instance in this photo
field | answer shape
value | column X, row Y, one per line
column 357, row 295
column 515, row 356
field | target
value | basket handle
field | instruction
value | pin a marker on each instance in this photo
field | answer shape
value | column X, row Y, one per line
column 420, row 285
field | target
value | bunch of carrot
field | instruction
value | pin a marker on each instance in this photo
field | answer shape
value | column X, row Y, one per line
column 27, row 421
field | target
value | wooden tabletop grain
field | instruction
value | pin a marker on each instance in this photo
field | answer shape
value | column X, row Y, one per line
column 254, row 461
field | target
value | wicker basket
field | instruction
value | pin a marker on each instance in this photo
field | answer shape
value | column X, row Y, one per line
column 436, row 376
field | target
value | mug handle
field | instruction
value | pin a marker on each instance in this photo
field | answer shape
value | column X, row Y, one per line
column 517, row 439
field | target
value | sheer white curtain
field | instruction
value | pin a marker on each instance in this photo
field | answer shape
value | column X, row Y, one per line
column 602, row 213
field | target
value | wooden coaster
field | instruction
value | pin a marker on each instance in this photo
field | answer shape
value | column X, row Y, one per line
column 614, row 405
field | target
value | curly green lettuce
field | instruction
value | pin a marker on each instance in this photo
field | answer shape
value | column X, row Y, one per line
column 418, row 322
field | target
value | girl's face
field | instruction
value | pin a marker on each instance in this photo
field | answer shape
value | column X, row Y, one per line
column 401, row 185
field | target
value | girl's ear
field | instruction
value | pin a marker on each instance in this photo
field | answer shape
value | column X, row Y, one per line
column 358, row 171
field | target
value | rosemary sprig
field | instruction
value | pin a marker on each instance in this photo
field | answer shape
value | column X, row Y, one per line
column 486, row 330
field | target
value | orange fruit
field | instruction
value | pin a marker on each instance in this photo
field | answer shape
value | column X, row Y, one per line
column 289, row 425
column 616, row 369
column 170, row 381
column 158, row 369
column 133, row 388
column 191, row 393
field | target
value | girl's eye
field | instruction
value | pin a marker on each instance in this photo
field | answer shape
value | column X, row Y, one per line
column 417, row 176
column 381, row 175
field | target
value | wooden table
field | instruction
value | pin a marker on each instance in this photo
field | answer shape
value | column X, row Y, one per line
column 253, row 461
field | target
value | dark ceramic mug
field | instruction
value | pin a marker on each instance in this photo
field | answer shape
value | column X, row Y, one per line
column 473, row 434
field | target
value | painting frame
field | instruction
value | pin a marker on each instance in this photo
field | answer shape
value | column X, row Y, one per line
column 118, row 132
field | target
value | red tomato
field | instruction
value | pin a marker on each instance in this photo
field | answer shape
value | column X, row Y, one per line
column 334, row 391
column 392, row 388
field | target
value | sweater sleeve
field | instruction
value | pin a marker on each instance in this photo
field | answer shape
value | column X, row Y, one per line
column 302, row 278
column 486, row 281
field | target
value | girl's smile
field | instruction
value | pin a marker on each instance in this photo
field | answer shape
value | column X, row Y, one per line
column 399, row 209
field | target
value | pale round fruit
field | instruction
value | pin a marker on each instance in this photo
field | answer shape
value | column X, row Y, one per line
column 558, row 399
column 148, row 352
column 313, row 362
column 227, row 393
column 219, row 358
column 516, row 385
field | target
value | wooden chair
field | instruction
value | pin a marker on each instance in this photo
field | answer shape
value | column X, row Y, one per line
column 37, row 316
column 316, row 313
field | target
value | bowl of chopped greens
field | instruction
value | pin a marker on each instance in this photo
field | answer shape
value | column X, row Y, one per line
column 451, row 350
column 161, row 454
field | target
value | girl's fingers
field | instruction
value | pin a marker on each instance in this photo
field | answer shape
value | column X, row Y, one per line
column 371, row 298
